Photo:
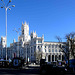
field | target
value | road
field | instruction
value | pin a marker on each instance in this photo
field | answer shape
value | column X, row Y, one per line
column 27, row 71
column 31, row 70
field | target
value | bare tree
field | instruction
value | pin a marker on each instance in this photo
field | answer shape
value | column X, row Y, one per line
column 71, row 41
column 58, row 38
column 69, row 47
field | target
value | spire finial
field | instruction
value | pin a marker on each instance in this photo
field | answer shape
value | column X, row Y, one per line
column 25, row 23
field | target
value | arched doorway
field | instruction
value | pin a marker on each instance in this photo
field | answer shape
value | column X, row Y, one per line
column 55, row 57
column 49, row 58
column 52, row 57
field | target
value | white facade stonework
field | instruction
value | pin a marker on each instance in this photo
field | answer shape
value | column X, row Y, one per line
column 2, row 47
column 30, row 45
column 32, row 48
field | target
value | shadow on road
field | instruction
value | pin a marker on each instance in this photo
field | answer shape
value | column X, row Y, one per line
column 29, row 71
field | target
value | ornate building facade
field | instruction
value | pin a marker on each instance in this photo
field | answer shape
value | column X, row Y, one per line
column 32, row 48
column 3, row 47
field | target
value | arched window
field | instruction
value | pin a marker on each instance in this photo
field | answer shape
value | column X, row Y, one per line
column 55, row 57
column 49, row 58
column 49, row 50
column 52, row 50
column 52, row 57
column 59, row 57
column 63, row 58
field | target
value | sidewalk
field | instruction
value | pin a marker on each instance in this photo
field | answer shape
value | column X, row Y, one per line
column 34, row 65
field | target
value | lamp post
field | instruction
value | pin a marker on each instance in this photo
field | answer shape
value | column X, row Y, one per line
column 6, row 8
column 17, row 31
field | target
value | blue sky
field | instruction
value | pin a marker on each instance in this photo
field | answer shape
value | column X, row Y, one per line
column 49, row 17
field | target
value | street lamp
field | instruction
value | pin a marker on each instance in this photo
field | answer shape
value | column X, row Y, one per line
column 17, row 31
column 6, row 8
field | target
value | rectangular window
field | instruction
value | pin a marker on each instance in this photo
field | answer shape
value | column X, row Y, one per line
column 41, row 46
column 49, row 46
column 56, row 46
column 35, row 42
column 39, row 41
column 59, row 51
column 59, row 57
column 38, row 47
column 52, row 50
column 49, row 50
column 52, row 57
column 34, row 48
column 55, row 57
column 45, row 50
column 31, row 49
column 56, row 50
column 45, row 46
column 52, row 46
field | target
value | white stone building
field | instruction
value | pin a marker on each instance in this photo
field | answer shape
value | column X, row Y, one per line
column 32, row 48
column 3, row 47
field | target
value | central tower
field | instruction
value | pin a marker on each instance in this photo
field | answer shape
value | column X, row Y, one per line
column 25, row 29
column 24, row 32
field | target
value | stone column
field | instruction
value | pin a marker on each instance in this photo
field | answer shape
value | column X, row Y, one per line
column 30, row 54
column 46, row 57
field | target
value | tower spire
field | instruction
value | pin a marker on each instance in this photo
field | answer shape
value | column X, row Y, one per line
column 25, row 23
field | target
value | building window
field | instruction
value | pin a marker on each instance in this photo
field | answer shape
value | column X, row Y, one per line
column 31, row 50
column 41, row 46
column 45, row 46
column 59, row 57
column 56, row 46
column 31, row 37
column 52, row 57
column 31, row 55
column 55, row 57
column 45, row 50
column 38, row 47
column 35, row 42
column 63, row 57
column 27, row 51
column 23, row 31
column 52, row 50
column 49, row 46
column 59, row 50
column 34, row 48
column 49, row 58
column 49, row 50
column 56, row 50
column 39, row 41
column 52, row 46
column 4, row 41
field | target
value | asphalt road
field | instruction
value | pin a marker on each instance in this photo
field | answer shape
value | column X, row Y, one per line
column 31, row 70
column 27, row 71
